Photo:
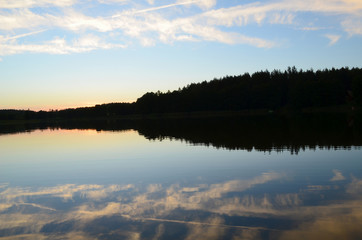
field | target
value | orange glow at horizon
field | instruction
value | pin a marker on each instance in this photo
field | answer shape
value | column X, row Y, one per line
column 51, row 100
column 71, row 140
column 49, row 107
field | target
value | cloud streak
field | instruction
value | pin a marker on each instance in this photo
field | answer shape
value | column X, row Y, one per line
column 35, row 3
column 166, row 6
column 177, row 22
column 56, row 46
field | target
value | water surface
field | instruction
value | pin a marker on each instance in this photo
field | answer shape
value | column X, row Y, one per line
column 159, row 183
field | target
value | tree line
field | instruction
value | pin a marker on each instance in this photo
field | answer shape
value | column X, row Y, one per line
column 272, row 132
column 289, row 90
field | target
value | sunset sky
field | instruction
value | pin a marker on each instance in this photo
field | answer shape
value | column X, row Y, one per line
column 70, row 53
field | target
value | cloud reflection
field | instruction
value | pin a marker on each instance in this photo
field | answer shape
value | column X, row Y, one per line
column 337, row 176
column 355, row 187
column 66, row 191
column 335, row 226
column 232, row 209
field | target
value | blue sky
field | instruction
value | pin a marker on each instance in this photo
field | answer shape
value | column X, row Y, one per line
column 70, row 53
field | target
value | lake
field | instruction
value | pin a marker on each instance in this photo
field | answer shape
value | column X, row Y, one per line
column 208, row 178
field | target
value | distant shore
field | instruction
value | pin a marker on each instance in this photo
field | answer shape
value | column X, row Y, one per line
column 340, row 109
column 262, row 93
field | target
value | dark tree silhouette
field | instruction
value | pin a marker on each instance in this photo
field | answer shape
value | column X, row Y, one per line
column 291, row 90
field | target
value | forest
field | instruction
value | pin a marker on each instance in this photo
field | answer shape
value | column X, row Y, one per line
column 276, row 91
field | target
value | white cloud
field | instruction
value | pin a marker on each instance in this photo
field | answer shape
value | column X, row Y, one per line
column 150, row 26
column 35, row 3
column 328, row 6
column 20, row 19
column 87, row 41
column 151, row 2
column 203, row 4
column 333, row 39
column 281, row 12
column 113, row 1
column 279, row 18
column 56, row 46
column 353, row 26
column 209, row 33
column 168, row 31
column 147, row 42
column 164, row 6
column 180, row 29
column 76, row 21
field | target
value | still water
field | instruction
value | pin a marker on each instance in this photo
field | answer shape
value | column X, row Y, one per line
column 89, row 184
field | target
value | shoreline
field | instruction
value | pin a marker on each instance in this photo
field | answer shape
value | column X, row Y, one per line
column 342, row 109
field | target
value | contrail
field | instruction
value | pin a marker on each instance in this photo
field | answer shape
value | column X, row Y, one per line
column 38, row 206
column 24, row 35
column 160, row 7
column 165, row 6
column 203, row 223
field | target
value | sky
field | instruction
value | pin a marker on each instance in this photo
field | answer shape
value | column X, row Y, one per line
column 72, row 53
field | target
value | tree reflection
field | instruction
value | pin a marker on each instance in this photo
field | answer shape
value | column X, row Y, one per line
column 261, row 133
